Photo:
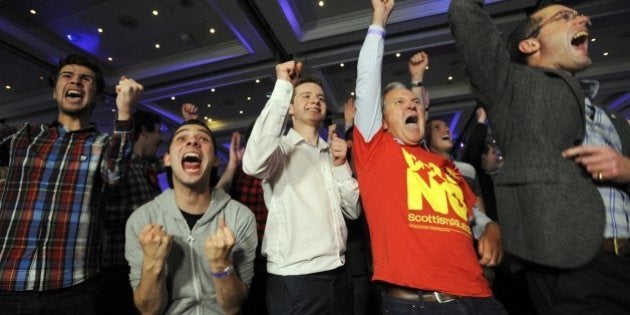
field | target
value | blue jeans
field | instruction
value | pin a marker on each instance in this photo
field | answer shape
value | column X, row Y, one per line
column 485, row 306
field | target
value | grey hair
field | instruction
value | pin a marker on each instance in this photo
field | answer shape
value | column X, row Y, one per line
column 388, row 88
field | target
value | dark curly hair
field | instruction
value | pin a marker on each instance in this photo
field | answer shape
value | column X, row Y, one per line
column 81, row 61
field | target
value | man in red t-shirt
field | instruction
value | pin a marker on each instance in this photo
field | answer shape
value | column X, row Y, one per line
column 417, row 203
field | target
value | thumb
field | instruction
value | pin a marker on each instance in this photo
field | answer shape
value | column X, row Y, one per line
column 331, row 132
column 222, row 222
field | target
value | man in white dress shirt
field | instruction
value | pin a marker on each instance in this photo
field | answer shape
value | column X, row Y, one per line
column 308, row 188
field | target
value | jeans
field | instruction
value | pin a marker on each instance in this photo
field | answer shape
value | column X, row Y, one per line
column 485, row 306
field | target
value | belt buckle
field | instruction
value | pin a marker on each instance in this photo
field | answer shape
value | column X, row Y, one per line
column 441, row 298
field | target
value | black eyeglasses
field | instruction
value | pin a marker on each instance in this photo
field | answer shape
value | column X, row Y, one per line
column 566, row 15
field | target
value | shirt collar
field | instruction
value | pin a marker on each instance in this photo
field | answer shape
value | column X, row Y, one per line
column 590, row 88
column 295, row 138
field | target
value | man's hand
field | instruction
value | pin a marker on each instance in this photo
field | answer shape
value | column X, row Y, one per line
column 338, row 146
column 128, row 93
column 417, row 65
column 236, row 151
column 481, row 115
column 218, row 247
column 489, row 246
column 382, row 10
column 349, row 110
column 189, row 111
column 156, row 245
column 289, row 71
column 603, row 163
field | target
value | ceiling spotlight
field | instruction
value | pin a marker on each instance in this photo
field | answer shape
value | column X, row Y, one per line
column 8, row 87
column 249, row 98
column 172, row 98
column 352, row 93
column 397, row 55
column 605, row 53
column 110, row 58
column 157, row 46
column 427, row 68
column 240, row 112
column 450, row 78
column 100, row 30
column 257, row 80
column 321, row 3
column 205, row 117
column 212, row 90
column 212, row 30
column 342, row 65
column 41, row 77
column 209, row 105
column 33, row 11
column 593, row 39
column 155, row 12
column 69, row 37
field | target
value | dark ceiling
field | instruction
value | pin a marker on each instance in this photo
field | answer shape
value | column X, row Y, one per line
column 221, row 54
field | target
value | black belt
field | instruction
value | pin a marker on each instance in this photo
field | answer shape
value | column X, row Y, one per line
column 418, row 295
column 621, row 248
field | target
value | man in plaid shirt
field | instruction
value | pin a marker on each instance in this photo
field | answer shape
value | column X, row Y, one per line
column 50, row 205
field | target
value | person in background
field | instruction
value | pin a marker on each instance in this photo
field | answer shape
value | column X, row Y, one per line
column 416, row 202
column 309, row 189
column 562, row 193
column 191, row 249
column 138, row 187
column 50, row 209
column 248, row 190
column 439, row 140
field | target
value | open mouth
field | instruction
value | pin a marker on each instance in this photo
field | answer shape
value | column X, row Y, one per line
column 74, row 94
column 446, row 137
column 411, row 120
column 579, row 39
column 191, row 162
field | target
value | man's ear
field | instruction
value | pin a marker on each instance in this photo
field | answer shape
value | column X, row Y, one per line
column 384, row 124
column 291, row 110
column 166, row 159
column 217, row 161
column 529, row 46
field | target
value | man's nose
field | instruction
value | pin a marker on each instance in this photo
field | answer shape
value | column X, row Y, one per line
column 193, row 142
column 75, row 79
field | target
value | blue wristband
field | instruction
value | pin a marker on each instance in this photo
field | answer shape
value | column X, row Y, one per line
column 226, row 272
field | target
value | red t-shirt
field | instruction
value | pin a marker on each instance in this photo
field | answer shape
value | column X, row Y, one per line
column 417, row 206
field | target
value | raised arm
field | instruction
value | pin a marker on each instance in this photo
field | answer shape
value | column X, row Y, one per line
column 236, row 156
column 262, row 156
column 151, row 295
column 346, row 183
column 417, row 65
column 368, row 118
column 114, row 166
column 231, row 291
column 481, row 48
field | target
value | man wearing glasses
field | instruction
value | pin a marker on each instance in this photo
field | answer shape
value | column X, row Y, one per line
column 562, row 194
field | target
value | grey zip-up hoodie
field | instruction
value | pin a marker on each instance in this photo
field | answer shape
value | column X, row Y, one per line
column 188, row 276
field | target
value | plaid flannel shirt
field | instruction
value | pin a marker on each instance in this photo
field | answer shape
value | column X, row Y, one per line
column 51, row 201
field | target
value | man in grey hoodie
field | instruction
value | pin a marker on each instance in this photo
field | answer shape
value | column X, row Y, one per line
column 191, row 250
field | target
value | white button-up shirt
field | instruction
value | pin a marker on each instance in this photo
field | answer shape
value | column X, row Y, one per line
column 307, row 196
